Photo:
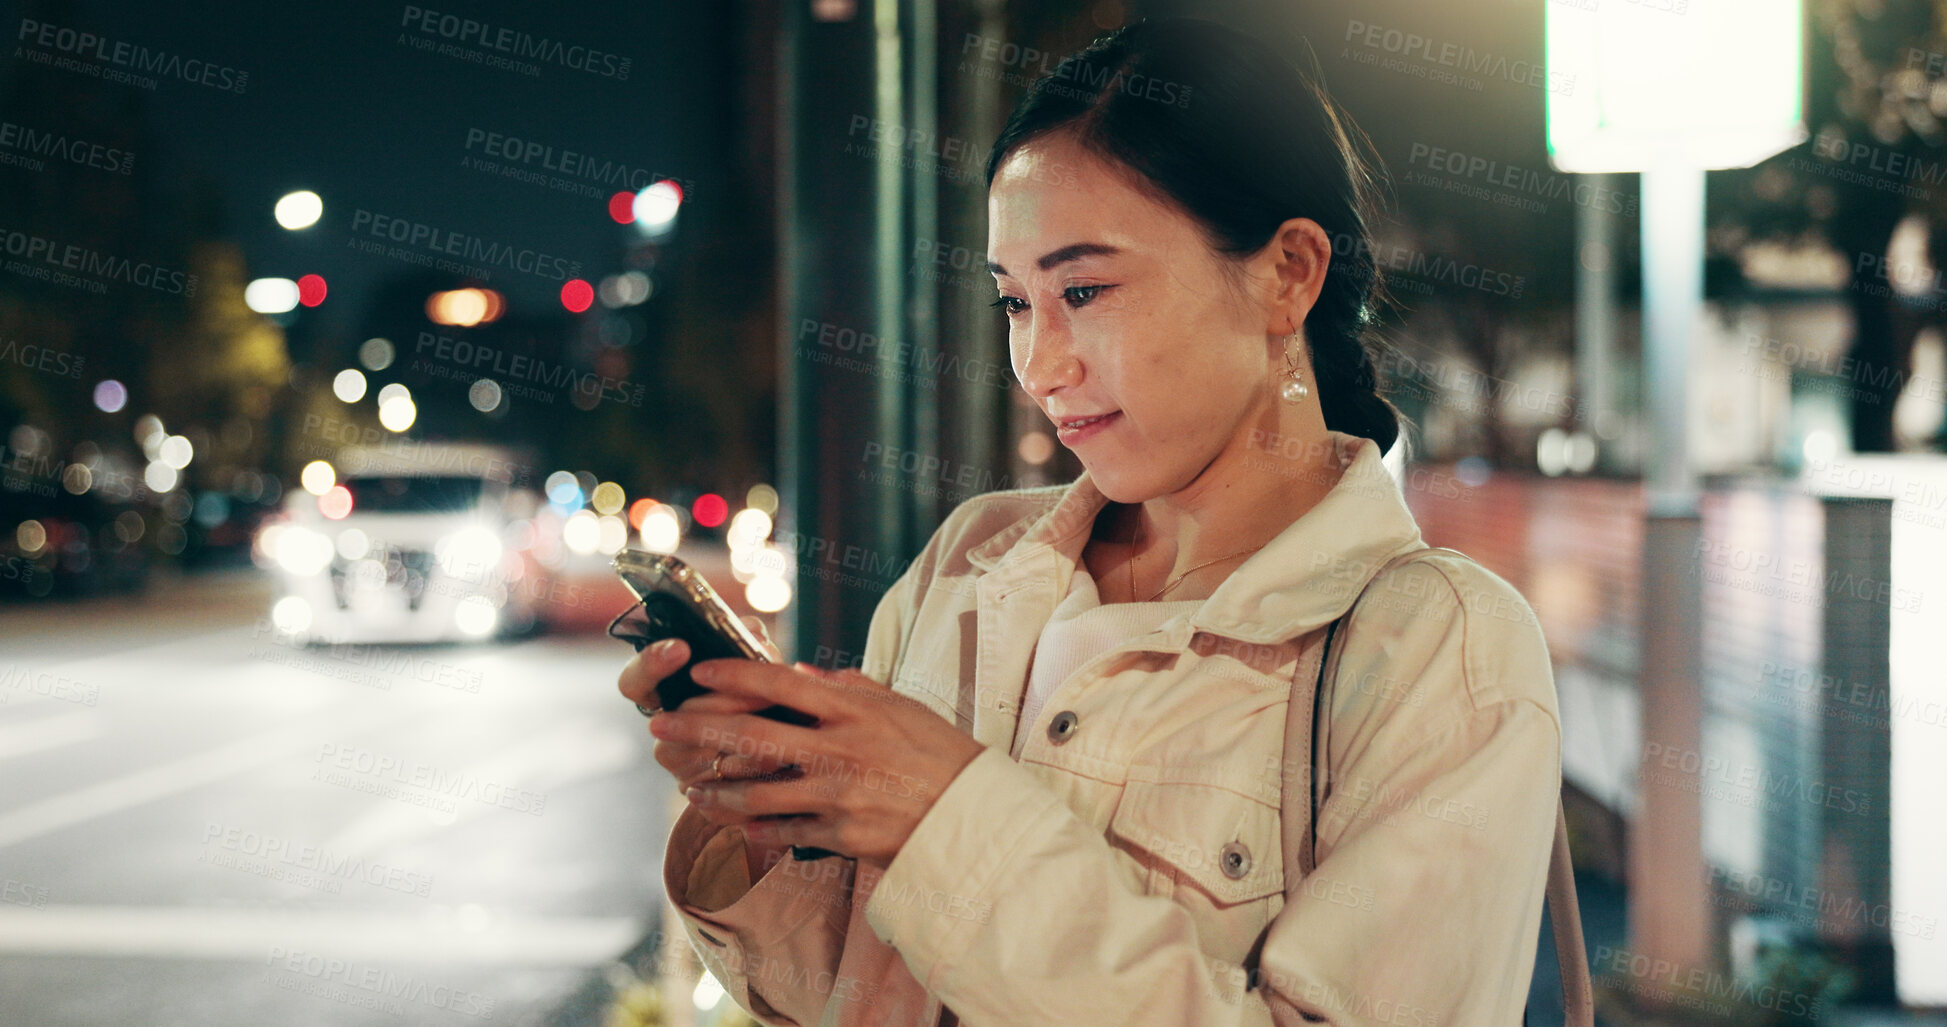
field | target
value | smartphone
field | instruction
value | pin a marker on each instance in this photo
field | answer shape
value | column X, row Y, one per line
column 677, row 602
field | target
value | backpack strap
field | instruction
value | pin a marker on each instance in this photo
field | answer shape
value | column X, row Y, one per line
column 1308, row 718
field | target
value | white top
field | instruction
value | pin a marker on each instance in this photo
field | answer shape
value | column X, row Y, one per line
column 1080, row 629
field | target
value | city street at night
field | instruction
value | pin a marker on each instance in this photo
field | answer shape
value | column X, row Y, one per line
column 203, row 825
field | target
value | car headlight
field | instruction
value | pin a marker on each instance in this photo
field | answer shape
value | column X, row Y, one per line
column 471, row 550
column 303, row 551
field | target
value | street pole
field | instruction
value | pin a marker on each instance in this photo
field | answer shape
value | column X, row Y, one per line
column 1669, row 911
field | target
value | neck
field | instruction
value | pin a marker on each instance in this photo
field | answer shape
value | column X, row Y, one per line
column 1250, row 493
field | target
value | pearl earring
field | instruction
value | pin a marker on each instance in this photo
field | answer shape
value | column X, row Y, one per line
column 1293, row 390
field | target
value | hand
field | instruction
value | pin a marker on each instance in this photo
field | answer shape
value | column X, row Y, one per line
column 689, row 764
column 868, row 771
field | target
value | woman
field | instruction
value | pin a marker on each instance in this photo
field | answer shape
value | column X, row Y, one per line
column 1067, row 805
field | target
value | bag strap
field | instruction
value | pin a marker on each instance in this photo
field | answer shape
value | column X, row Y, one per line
column 1564, row 914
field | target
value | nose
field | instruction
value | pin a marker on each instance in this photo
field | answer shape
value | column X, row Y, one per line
column 1045, row 360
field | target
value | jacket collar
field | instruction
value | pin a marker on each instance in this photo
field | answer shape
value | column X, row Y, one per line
column 1306, row 577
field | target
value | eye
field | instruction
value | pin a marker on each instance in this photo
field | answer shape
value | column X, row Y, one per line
column 1003, row 302
column 1083, row 301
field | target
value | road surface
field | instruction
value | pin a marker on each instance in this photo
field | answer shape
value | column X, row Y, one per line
column 199, row 825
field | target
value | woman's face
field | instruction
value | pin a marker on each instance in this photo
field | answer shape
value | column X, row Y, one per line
column 1116, row 306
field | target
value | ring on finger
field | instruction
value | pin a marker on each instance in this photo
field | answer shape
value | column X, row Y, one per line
column 716, row 765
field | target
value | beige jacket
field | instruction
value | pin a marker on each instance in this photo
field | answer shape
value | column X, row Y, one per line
column 1128, row 870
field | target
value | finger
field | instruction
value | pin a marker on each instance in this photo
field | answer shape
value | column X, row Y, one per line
column 723, row 702
column 816, row 832
column 708, row 768
column 783, row 685
column 741, row 733
column 758, row 798
column 645, row 670
column 756, row 626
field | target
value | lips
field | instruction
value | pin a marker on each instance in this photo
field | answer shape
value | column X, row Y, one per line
column 1073, row 431
column 1073, row 423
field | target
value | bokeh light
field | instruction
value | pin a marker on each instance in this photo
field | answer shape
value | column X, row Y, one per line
column 271, row 295
column 375, row 353
column 318, row 477
column 397, row 413
column 660, row 530
column 291, row 614
column 621, row 207
column 768, row 594
column 656, row 205
column 562, row 489
column 607, row 498
column 299, row 210
column 485, row 395
column 311, row 290
column 176, row 452
column 582, row 532
column 710, row 509
column 110, row 396
column 336, row 503
column 349, row 385
column 159, row 477
column 577, row 295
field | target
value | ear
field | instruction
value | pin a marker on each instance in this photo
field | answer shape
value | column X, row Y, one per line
column 1299, row 253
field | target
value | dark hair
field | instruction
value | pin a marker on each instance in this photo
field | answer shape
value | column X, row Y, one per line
column 1241, row 139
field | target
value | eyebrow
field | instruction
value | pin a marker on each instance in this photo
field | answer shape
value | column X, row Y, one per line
column 1062, row 256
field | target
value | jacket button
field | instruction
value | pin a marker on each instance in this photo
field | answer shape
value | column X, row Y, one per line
column 1236, row 860
column 1062, row 728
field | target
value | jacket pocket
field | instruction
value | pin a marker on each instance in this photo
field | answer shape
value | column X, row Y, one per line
column 1225, row 845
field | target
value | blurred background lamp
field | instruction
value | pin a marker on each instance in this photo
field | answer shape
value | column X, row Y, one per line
column 582, row 532
column 335, row 504
column 656, row 205
column 710, row 509
column 465, row 307
column 177, row 452
column 577, row 295
column 768, row 594
column 475, row 616
column 110, row 396
column 158, row 476
column 607, row 498
column 349, row 386
column 661, row 531
column 375, row 353
column 1717, row 85
column 484, row 395
column 271, row 295
column 311, row 290
column 318, row 477
column 397, row 413
column 563, row 490
column 291, row 615
column 621, row 207
column 299, row 210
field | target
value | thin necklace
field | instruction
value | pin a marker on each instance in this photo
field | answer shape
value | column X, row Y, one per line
column 1136, row 533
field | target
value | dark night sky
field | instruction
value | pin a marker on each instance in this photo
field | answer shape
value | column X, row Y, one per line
column 338, row 104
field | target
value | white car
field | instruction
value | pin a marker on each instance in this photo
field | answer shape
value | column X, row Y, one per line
column 411, row 543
